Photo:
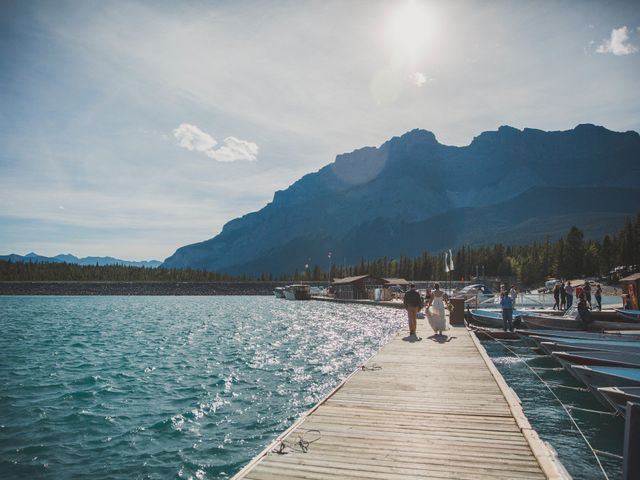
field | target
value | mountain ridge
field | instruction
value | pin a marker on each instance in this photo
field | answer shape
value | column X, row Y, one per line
column 412, row 178
column 69, row 258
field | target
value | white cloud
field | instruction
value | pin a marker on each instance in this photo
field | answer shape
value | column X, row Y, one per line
column 418, row 78
column 192, row 138
column 233, row 149
column 618, row 44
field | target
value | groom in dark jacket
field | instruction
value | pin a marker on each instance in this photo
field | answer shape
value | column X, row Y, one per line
column 413, row 303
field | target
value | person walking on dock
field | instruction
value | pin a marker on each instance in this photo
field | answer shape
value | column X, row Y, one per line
column 563, row 297
column 507, row 311
column 435, row 312
column 413, row 304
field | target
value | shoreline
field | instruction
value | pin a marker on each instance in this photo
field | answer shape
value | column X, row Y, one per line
column 90, row 288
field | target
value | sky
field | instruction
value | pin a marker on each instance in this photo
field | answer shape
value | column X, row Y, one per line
column 131, row 128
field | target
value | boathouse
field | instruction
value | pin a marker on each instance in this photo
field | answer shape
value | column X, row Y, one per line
column 362, row 287
column 355, row 288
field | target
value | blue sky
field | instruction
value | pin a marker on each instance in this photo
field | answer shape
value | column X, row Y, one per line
column 132, row 128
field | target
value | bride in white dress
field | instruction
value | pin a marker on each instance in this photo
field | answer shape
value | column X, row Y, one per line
column 435, row 311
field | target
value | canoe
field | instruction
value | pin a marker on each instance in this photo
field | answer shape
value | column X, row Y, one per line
column 599, row 377
column 628, row 315
column 491, row 318
column 602, row 359
column 550, row 345
column 619, row 396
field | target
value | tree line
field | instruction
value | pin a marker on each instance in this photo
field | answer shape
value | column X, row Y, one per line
column 571, row 256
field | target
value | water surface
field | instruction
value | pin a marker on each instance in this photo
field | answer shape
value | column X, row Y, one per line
column 166, row 387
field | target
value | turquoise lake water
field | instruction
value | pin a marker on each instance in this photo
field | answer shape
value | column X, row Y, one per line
column 166, row 387
column 194, row 387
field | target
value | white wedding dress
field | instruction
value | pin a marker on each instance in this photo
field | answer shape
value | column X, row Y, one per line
column 436, row 314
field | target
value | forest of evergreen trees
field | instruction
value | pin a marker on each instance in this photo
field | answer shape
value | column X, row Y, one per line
column 569, row 257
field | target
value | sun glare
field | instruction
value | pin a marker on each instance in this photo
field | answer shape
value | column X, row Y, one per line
column 411, row 28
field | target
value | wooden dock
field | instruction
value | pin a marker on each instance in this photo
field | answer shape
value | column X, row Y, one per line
column 417, row 409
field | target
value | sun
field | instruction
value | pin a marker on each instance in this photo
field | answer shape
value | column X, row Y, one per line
column 412, row 27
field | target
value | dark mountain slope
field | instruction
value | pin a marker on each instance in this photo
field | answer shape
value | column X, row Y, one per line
column 413, row 193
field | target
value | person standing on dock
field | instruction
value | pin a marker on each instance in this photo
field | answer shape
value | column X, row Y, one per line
column 556, row 297
column 598, row 296
column 569, row 291
column 413, row 304
column 507, row 311
column 563, row 297
column 513, row 293
column 587, row 292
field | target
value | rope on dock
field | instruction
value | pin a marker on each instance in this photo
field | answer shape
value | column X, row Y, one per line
column 601, row 412
column 573, row 421
column 609, row 454
column 568, row 387
column 302, row 444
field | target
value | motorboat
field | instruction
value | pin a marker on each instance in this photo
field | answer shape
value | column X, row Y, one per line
column 577, row 334
column 599, row 377
column 492, row 318
column 619, row 396
column 278, row 292
column 570, row 321
column 603, row 359
column 297, row 291
column 550, row 345
column 628, row 315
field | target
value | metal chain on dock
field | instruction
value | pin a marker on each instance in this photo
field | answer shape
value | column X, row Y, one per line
column 573, row 421
column 371, row 368
column 302, row 444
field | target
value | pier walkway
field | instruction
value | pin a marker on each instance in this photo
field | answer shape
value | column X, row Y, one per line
column 417, row 409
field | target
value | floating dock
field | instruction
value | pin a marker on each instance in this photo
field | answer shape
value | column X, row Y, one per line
column 434, row 408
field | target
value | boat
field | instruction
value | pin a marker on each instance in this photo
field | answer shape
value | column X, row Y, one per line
column 599, row 377
column 297, row 292
column 566, row 322
column 550, row 345
column 577, row 334
column 628, row 315
column 278, row 292
column 619, row 396
column 603, row 359
column 492, row 318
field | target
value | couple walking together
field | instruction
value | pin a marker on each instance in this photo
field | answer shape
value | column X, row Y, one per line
column 435, row 311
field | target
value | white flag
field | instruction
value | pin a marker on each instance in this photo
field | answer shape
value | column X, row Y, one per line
column 446, row 263
column 450, row 260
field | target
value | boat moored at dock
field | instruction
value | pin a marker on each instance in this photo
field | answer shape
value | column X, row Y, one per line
column 598, row 377
column 297, row 291
column 619, row 396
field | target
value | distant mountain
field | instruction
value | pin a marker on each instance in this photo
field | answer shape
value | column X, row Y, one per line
column 68, row 258
column 413, row 193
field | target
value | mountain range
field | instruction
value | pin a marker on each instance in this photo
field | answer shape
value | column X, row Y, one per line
column 68, row 258
column 413, row 194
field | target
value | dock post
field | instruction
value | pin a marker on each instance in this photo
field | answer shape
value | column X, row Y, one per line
column 631, row 462
column 457, row 316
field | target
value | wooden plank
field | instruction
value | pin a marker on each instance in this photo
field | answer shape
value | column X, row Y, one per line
column 421, row 410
